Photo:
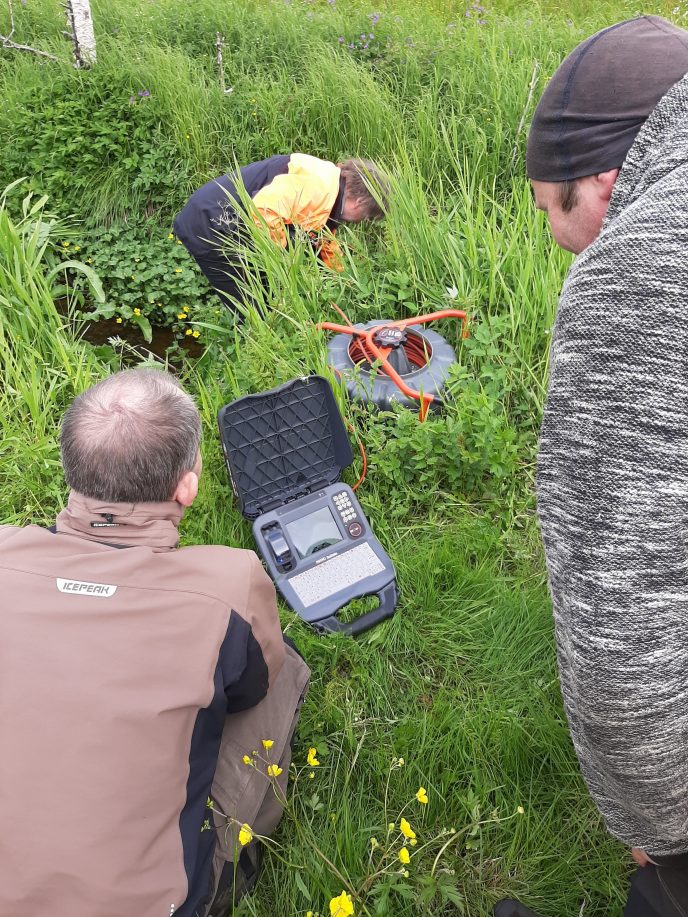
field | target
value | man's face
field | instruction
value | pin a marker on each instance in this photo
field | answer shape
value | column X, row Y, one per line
column 577, row 228
column 353, row 210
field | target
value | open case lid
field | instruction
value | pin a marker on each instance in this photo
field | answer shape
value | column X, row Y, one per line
column 282, row 444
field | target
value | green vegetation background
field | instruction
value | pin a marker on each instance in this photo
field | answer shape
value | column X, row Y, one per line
column 462, row 682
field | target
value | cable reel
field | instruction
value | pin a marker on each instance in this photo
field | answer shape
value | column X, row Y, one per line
column 399, row 362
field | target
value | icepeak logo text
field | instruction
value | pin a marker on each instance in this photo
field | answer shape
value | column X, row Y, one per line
column 75, row 587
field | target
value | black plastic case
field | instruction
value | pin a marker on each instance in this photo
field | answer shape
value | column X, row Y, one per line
column 282, row 444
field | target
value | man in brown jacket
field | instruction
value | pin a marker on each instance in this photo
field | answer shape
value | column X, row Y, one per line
column 122, row 660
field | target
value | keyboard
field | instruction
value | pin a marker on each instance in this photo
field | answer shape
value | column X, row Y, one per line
column 337, row 573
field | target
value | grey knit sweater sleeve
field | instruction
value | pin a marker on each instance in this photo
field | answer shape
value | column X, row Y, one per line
column 613, row 493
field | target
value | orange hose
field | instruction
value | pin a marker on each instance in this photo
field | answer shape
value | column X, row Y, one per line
column 415, row 348
column 340, row 329
column 381, row 353
column 343, row 315
column 433, row 317
column 364, row 457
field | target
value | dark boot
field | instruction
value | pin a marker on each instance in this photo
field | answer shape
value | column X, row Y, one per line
column 236, row 883
column 509, row 907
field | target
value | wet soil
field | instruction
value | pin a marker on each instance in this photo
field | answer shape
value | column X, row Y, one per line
column 99, row 334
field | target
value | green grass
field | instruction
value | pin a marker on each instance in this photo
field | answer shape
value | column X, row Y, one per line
column 462, row 683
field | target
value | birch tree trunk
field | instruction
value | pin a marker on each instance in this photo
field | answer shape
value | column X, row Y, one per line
column 80, row 24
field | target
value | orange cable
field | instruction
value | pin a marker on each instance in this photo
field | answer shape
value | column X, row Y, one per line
column 343, row 314
column 364, row 457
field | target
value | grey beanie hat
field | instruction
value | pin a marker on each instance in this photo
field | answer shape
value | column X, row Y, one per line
column 600, row 97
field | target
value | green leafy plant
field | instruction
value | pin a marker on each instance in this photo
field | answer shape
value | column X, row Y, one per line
column 147, row 280
column 96, row 145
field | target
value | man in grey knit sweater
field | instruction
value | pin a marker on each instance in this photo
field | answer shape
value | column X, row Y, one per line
column 608, row 160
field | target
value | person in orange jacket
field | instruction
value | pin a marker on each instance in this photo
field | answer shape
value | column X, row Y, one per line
column 287, row 191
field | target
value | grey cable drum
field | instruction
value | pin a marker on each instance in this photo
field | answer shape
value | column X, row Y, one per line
column 377, row 387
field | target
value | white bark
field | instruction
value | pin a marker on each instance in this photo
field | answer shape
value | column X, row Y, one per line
column 81, row 27
column 219, row 45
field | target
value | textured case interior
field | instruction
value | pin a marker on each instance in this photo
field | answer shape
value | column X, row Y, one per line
column 283, row 443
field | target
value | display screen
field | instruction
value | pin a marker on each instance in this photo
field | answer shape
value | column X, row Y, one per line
column 314, row 532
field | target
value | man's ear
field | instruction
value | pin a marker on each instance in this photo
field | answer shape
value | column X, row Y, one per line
column 605, row 182
column 187, row 489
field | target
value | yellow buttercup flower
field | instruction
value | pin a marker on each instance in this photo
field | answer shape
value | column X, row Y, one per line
column 77, row 248
column 311, row 776
column 247, row 760
column 404, row 856
column 181, row 315
column 267, row 744
column 170, row 235
column 177, row 270
column 274, row 770
column 179, row 241
column 188, row 332
column 422, row 796
column 119, row 321
column 197, row 334
column 312, row 760
column 406, row 829
column 137, row 311
column 341, row 906
column 89, row 261
column 245, row 835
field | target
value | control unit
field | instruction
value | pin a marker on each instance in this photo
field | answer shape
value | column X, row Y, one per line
column 285, row 451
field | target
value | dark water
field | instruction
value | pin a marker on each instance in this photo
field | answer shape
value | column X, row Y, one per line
column 99, row 333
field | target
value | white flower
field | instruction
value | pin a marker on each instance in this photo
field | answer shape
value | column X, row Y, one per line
column 452, row 292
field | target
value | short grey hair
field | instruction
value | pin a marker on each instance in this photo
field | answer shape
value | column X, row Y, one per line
column 130, row 438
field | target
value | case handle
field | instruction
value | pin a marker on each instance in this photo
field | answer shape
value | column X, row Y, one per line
column 388, row 602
